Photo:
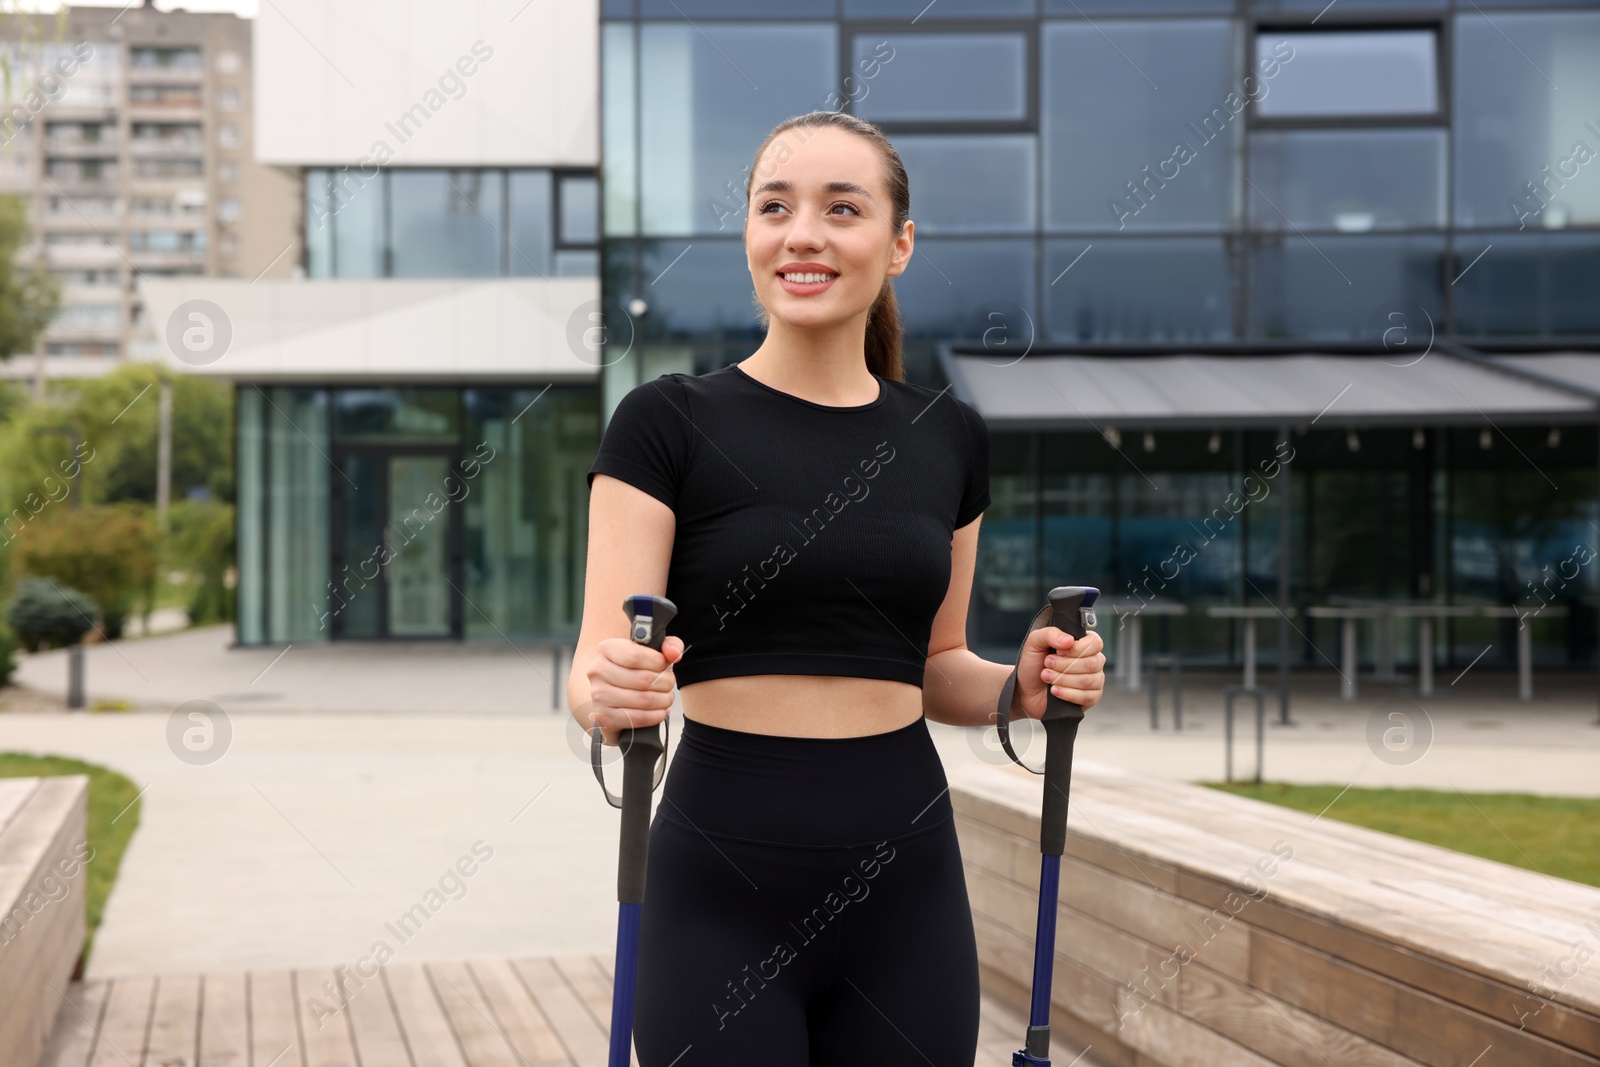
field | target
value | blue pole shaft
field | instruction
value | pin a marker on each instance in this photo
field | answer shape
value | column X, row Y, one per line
column 626, row 972
column 1044, row 938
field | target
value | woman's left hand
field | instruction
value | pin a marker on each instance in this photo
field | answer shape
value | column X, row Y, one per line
column 1075, row 668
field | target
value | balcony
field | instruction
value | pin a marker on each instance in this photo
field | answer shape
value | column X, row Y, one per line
column 77, row 148
column 84, row 254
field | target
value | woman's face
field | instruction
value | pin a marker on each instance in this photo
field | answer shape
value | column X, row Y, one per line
column 818, row 233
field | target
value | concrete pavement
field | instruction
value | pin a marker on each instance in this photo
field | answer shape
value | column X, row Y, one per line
column 355, row 777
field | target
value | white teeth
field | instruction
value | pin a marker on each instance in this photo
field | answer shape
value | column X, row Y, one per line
column 808, row 279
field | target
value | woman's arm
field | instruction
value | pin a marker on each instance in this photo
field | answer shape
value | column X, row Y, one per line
column 630, row 548
column 961, row 688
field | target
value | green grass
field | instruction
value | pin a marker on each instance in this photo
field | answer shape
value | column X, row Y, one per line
column 1558, row 836
column 109, row 794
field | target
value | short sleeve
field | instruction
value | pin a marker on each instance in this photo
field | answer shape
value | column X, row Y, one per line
column 646, row 443
column 975, row 493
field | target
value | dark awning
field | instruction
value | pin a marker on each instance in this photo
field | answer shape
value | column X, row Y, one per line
column 1218, row 386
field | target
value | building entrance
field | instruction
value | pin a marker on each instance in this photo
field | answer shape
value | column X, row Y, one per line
column 396, row 545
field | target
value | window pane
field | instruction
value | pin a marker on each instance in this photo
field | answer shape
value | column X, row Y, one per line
column 524, row 545
column 1518, row 135
column 970, row 76
column 1138, row 7
column 529, row 227
column 970, row 183
column 978, row 289
column 447, row 223
column 580, row 221
column 1344, row 5
column 1336, row 288
column 1357, row 72
column 319, row 225
column 1538, row 285
column 249, row 610
column 577, row 263
column 704, row 293
column 1107, row 126
column 710, row 95
column 1138, row 289
column 296, row 424
column 735, row 9
column 1347, row 180
column 357, row 205
column 619, row 69
column 399, row 415
column 909, row 9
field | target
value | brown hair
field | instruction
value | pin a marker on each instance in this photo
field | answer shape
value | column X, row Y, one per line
column 884, row 330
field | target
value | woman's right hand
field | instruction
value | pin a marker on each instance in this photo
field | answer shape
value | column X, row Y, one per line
column 631, row 685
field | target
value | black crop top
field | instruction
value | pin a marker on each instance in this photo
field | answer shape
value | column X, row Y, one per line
column 810, row 539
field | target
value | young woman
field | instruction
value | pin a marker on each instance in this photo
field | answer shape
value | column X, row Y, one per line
column 814, row 518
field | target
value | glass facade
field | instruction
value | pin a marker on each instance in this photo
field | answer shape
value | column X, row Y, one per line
column 465, row 223
column 413, row 512
column 1108, row 172
column 1145, row 172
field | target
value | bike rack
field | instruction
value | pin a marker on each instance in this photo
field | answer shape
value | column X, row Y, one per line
column 1152, row 682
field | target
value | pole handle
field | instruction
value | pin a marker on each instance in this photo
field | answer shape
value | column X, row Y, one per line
column 1072, row 609
column 643, row 756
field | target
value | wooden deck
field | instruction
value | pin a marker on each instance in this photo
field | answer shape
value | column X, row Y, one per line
column 532, row 1012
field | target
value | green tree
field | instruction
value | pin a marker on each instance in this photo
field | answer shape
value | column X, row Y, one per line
column 110, row 553
column 29, row 295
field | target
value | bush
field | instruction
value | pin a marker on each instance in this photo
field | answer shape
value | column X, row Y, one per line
column 109, row 552
column 200, row 542
column 8, row 648
column 45, row 615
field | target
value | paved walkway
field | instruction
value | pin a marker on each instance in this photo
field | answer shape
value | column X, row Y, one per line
column 355, row 777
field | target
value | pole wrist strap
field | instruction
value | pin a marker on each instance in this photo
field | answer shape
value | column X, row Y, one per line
column 1002, row 715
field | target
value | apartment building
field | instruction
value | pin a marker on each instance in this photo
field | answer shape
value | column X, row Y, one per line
column 129, row 133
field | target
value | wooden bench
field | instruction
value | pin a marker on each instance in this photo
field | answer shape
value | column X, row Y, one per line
column 1201, row 928
column 42, row 915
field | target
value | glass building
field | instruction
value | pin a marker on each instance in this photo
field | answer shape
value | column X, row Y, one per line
column 1157, row 174
column 1087, row 175
column 392, row 506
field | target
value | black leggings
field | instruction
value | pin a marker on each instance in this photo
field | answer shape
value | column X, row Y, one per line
column 805, row 906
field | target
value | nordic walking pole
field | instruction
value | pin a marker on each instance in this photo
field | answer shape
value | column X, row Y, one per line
column 1071, row 608
column 648, row 617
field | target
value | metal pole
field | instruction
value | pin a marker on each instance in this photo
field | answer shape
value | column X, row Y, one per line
column 1425, row 655
column 1283, row 589
column 1347, row 634
column 1249, row 653
column 164, row 455
column 75, row 698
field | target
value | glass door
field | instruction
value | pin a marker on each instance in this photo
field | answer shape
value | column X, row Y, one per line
column 419, row 541
column 396, row 545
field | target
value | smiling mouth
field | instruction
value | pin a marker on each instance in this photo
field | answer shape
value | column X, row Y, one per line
column 807, row 277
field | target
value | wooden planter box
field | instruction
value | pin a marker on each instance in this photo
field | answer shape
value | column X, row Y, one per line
column 1198, row 928
column 43, row 849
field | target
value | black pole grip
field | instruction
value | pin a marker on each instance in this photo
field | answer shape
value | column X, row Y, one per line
column 1072, row 608
column 641, row 748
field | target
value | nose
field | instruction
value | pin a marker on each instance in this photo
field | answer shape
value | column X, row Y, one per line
column 804, row 232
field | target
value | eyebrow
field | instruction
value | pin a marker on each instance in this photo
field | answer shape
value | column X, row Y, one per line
column 783, row 185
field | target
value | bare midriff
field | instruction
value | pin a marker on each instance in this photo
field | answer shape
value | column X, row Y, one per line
column 802, row 705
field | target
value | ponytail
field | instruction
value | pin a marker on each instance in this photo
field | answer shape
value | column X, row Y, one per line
column 884, row 334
